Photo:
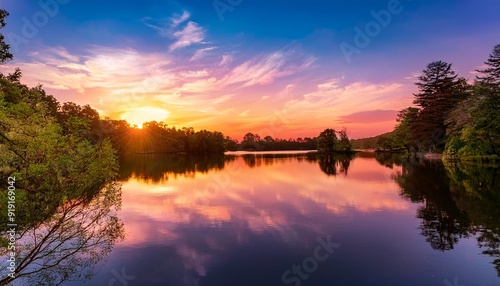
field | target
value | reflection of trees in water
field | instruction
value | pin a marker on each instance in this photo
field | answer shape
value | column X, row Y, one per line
column 389, row 159
column 268, row 159
column 476, row 189
column 443, row 224
column 490, row 241
column 158, row 167
column 330, row 164
column 69, row 244
column 441, row 230
column 458, row 201
column 250, row 160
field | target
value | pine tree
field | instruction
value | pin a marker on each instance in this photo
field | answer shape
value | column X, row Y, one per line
column 5, row 54
column 486, row 114
column 492, row 72
column 440, row 91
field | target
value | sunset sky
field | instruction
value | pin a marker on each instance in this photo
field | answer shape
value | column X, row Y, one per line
column 269, row 67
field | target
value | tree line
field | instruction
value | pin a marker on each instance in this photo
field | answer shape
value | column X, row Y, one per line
column 451, row 116
column 326, row 142
column 85, row 123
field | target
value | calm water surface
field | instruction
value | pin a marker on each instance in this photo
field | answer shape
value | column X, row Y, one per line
column 247, row 219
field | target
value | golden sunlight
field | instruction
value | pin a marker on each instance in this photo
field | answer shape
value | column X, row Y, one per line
column 138, row 116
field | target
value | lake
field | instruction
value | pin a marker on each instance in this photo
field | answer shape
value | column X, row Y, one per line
column 304, row 219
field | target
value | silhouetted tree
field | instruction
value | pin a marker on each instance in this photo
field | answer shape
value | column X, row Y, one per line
column 327, row 141
column 491, row 74
column 230, row 144
column 5, row 54
column 344, row 144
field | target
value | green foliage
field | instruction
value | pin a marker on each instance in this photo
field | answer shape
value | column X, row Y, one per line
column 366, row 143
column 43, row 159
column 64, row 184
column 475, row 122
column 403, row 136
column 439, row 92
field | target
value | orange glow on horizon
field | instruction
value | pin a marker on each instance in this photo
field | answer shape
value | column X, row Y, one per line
column 141, row 115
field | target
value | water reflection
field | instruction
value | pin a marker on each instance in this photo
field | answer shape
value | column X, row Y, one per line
column 476, row 191
column 66, row 241
column 330, row 164
column 258, row 207
column 245, row 219
column 458, row 201
column 267, row 159
column 158, row 168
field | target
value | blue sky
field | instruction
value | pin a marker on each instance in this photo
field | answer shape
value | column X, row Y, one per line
column 259, row 62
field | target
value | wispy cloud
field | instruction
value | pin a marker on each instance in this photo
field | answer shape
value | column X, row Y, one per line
column 192, row 33
column 199, row 86
column 118, row 72
column 327, row 90
column 226, row 58
column 184, row 35
column 266, row 69
column 203, row 94
column 414, row 76
column 352, row 105
column 194, row 74
column 200, row 53
column 178, row 19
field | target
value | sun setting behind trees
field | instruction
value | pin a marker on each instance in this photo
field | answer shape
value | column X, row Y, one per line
column 206, row 72
column 223, row 142
column 138, row 116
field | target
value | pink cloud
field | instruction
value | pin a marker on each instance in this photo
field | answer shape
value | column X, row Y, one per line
column 369, row 116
